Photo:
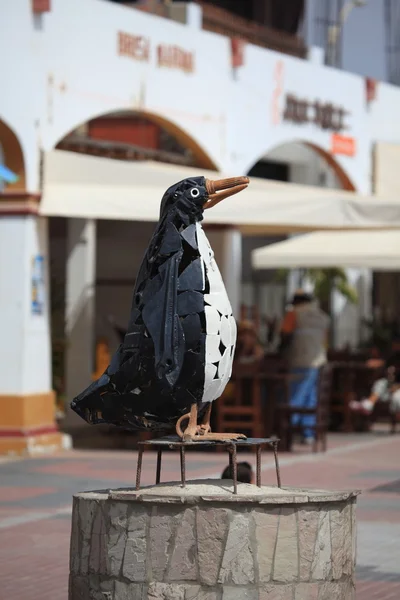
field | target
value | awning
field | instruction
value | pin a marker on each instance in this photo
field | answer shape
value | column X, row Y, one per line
column 78, row 185
column 377, row 250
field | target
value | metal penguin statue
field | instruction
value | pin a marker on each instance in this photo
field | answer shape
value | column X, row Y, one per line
column 176, row 357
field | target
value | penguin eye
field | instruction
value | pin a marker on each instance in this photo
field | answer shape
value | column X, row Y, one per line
column 194, row 192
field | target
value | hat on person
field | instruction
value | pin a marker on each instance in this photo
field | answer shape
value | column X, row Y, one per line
column 244, row 472
column 301, row 297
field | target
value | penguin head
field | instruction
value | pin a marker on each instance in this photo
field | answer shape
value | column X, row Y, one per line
column 191, row 196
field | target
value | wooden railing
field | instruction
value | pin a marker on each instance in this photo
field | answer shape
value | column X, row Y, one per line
column 226, row 23
column 153, row 7
column 221, row 21
column 122, row 151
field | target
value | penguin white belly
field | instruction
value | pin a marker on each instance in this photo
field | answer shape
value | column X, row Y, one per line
column 220, row 324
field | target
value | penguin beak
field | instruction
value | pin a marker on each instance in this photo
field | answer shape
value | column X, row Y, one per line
column 223, row 188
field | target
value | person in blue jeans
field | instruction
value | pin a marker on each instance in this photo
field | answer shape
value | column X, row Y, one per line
column 304, row 335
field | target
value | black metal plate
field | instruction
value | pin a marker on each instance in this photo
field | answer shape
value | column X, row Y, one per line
column 176, row 441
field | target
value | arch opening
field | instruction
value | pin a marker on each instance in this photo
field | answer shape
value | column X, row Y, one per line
column 137, row 135
column 12, row 155
column 304, row 163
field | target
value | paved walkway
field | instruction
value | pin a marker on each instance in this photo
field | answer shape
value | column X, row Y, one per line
column 35, row 501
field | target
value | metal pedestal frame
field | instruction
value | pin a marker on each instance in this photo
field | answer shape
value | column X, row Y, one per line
column 174, row 442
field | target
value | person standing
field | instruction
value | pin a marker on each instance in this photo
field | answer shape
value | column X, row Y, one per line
column 304, row 337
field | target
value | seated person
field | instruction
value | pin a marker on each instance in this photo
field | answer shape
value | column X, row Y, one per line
column 385, row 389
column 248, row 347
column 244, row 473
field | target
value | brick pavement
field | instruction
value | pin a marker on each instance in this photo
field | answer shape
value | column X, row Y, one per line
column 35, row 506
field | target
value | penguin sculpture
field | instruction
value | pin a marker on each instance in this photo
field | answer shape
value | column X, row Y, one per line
column 176, row 356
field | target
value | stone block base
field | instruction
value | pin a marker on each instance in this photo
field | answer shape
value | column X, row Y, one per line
column 96, row 588
column 203, row 543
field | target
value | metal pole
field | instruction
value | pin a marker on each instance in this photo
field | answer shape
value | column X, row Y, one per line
column 335, row 31
column 183, row 466
column 234, row 464
column 259, row 466
column 139, row 466
column 158, row 473
column 278, row 471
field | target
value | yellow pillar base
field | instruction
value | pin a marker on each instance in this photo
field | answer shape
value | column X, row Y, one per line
column 27, row 425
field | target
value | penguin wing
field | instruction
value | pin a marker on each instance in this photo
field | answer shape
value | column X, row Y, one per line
column 160, row 316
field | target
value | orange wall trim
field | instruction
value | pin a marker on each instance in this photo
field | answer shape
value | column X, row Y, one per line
column 27, row 425
column 30, row 446
column 27, row 412
column 7, row 432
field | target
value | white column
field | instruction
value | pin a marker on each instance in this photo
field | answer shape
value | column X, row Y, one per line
column 25, row 363
column 227, row 246
column 27, row 403
column 80, row 310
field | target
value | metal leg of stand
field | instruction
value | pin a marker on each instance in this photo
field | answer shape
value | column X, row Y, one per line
column 183, row 466
column 234, row 468
column 258, row 466
column 278, row 471
column 139, row 467
column 158, row 472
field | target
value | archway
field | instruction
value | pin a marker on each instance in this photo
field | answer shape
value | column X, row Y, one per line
column 130, row 135
column 340, row 173
column 297, row 162
column 302, row 162
column 12, row 156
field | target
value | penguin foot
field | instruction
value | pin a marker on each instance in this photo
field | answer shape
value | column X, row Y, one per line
column 192, row 428
column 198, row 433
column 202, row 433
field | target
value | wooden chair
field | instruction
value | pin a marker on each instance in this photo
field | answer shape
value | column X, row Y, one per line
column 285, row 412
column 239, row 409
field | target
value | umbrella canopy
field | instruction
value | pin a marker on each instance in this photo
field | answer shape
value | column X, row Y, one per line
column 377, row 250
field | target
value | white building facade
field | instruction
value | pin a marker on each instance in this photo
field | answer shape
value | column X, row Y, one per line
column 87, row 58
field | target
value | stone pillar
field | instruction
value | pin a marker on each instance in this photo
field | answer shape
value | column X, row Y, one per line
column 27, row 402
column 203, row 543
column 80, row 312
column 226, row 243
